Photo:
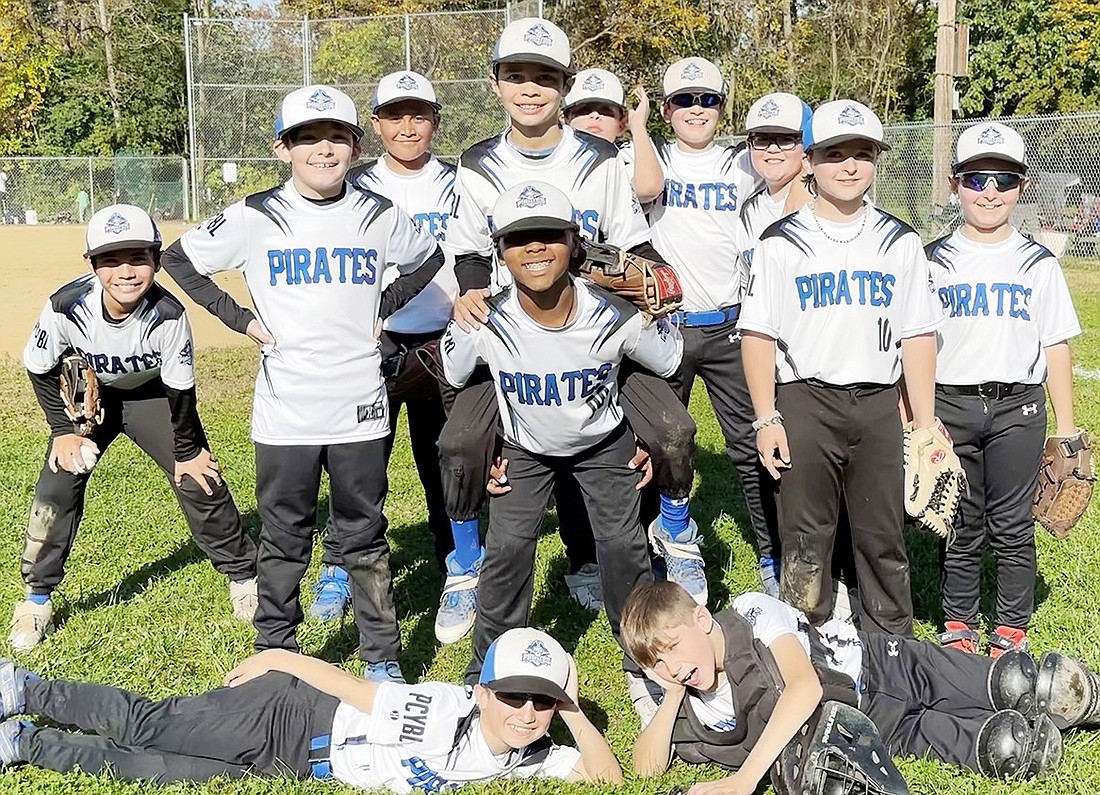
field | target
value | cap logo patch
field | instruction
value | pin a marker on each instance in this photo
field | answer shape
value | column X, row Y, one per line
column 530, row 197
column 116, row 224
column 991, row 136
column 320, row 100
column 851, row 116
column 536, row 654
column 592, row 83
column 769, row 110
column 691, row 72
column 538, row 35
column 408, row 83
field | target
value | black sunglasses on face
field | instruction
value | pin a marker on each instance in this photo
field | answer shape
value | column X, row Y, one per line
column 979, row 180
column 519, row 700
column 525, row 236
column 784, row 143
column 703, row 100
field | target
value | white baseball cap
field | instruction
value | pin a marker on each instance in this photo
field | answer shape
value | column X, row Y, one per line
column 693, row 75
column 845, row 120
column 120, row 226
column 778, row 113
column 990, row 139
column 595, row 85
column 534, row 40
column 531, row 205
column 316, row 103
column 527, row 660
column 399, row 86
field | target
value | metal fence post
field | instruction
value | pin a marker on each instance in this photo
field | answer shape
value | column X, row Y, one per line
column 91, row 186
column 307, row 55
column 192, row 144
column 408, row 43
column 184, row 189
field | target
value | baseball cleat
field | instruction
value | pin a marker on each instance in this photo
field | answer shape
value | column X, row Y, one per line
column 683, row 560
column 12, row 751
column 30, row 623
column 333, row 594
column 843, row 599
column 243, row 599
column 959, row 636
column 585, row 587
column 645, row 694
column 458, row 602
column 1006, row 639
column 13, row 689
column 769, row 576
column 384, row 671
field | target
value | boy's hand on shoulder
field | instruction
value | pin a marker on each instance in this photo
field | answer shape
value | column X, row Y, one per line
column 470, row 309
column 199, row 468
column 256, row 665
column 730, row 785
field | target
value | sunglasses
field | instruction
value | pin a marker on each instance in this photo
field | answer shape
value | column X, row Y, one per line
column 540, row 702
column 979, row 180
column 703, row 100
column 783, row 143
column 525, row 236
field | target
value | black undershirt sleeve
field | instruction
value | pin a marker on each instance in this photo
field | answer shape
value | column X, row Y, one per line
column 203, row 291
column 473, row 272
column 47, row 388
column 190, row 439
column 405, row 288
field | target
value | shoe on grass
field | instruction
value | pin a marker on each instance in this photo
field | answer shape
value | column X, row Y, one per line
column 960, row 636
column 12, row 750
column 384, row 671
column 30, row 623
column 585, row 587
column 645, row 694
column 458, row 602
column 683, row 560
column 243, row 599
column 1006, row 639
column 333, row 594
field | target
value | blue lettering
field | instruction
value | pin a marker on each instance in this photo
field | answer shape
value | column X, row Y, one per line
column 981, row 300
column 320, row 268
column 589, row 223
column 532, row 388
column 571, row 378
column 300, row 264
column 973, row 300
column 834, row 289
column 276, row 264
column 343, row 254
column 508, row 383
column 435, row 224
column 552, row 397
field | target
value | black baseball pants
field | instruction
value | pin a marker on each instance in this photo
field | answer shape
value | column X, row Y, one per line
column 260, row 728
column 508, row 574
column 713, row 353
column 287, row 481
column 926, row 701
column 1000, row 444
column 845, row 443
column 143, row 415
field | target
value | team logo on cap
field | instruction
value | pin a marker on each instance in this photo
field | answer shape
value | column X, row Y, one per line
column 408, row 83
column 536, row 654
column 116, row 223
column 592, row 83
column 768, row 110
column 991, row 136
column 320, row 100
column 851, row 116
column 538, row 35
column 530, row 197
column 691, row 72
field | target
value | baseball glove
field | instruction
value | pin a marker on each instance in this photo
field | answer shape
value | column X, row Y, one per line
column 1065, row 482
column 80, row 393
column 650, row 286
column 934, row 478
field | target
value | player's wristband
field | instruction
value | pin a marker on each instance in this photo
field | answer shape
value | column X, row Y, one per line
column 775, row 418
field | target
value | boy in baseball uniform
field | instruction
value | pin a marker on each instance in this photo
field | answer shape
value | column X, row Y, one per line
column 553, row 345
column 286, row 715
column 324, row 261
column 1009, row 319
column 839, row 308
column 136, row 337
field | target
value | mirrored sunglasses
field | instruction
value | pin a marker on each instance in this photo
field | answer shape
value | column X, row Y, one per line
column 979, row 180
column 703, row 100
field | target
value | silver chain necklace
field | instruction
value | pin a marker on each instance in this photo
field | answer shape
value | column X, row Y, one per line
column 821, row 229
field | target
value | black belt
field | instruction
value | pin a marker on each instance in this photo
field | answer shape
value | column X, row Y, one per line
column 993, row 390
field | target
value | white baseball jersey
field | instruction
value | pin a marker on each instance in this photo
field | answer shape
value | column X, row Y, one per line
column 558, row 388
column 587, row 169
column 695, row 221
column 153, row 341
column 316, row 275
column 770, row 619
column 428, row 197
column 839, row 311
column 428, row 737
column 1005, row 303
column 758, row 212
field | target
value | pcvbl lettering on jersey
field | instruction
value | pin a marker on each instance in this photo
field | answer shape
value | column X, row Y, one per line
column 321, row 265
column 423, row 777
column 414, row 718
column 214, row 224
column 552, row 389
column 120, row 365
column 435, row 224
column 999, row 298
column 720, row 196
column 40, row 336
column 818, row 290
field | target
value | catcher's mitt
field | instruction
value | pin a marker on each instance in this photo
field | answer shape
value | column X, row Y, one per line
column 1065, row 482
column 80, row 393
column 934, row 478
column 650, row 286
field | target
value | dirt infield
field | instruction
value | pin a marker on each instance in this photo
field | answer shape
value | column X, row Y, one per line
column 36, row 260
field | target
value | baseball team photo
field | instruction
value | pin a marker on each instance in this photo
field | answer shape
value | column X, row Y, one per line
column 550, row 397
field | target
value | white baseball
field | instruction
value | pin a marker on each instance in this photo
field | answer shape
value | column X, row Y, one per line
column 88, row 455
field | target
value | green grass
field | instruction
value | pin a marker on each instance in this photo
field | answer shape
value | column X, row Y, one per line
column 141, row 608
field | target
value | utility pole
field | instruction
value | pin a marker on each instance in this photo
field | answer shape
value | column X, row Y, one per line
column 944, row 100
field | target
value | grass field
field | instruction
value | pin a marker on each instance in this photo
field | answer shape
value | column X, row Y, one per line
column 140, row 607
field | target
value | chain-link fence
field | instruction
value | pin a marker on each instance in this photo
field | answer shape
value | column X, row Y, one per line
column 238, row 70
column 60, row 190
